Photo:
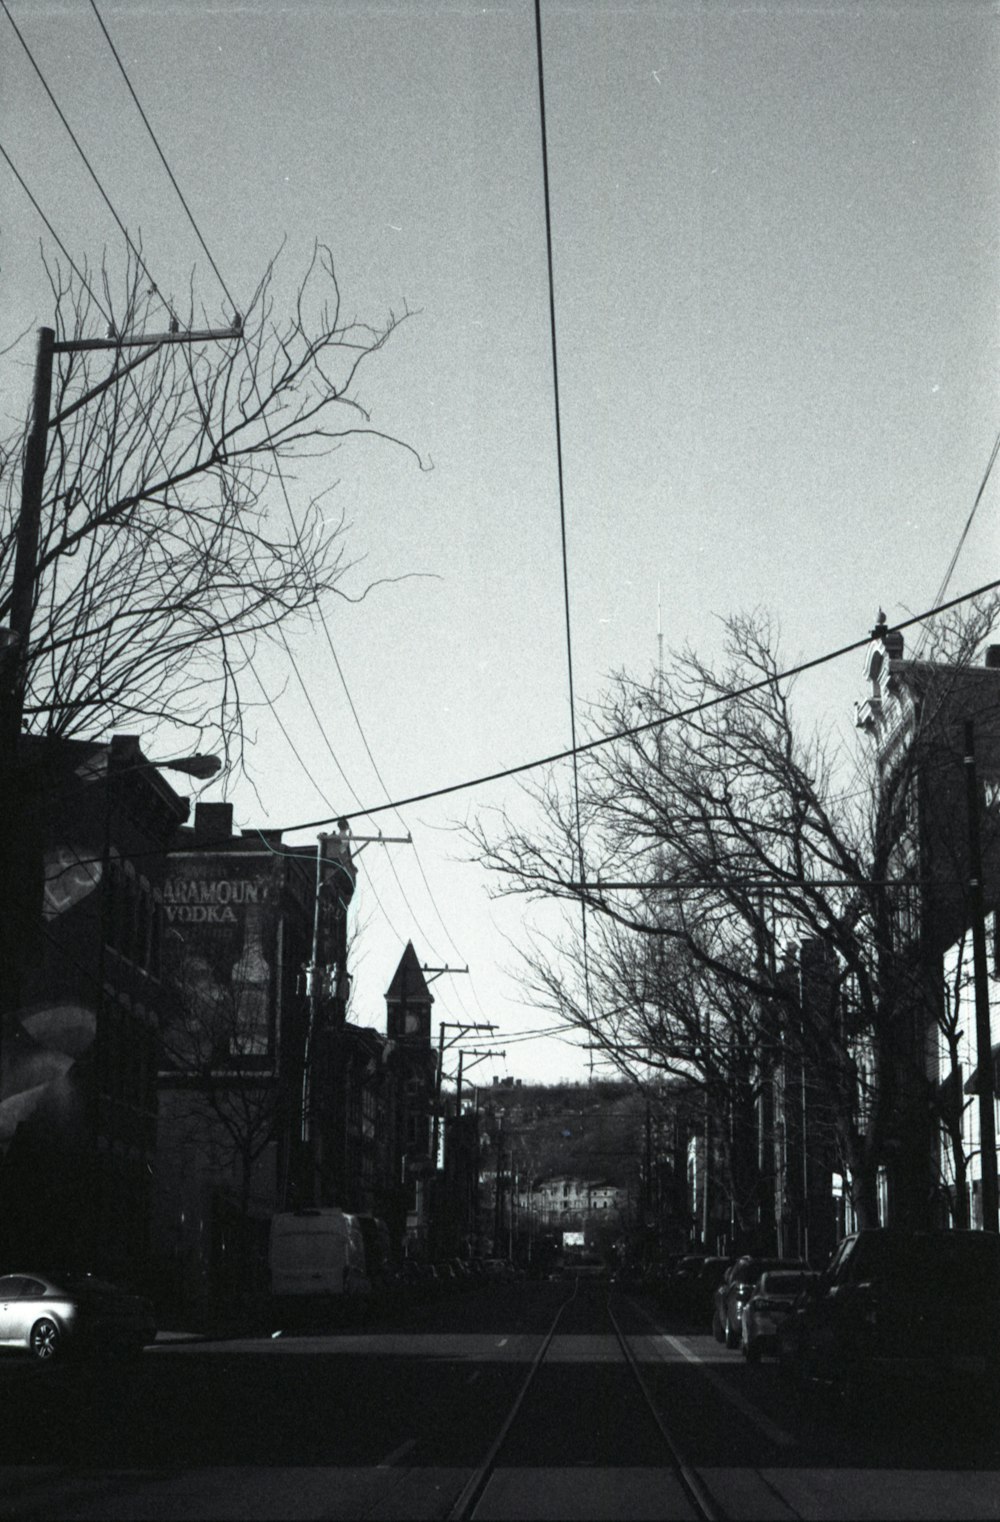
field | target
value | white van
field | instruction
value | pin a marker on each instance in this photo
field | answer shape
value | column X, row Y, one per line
column 317, row 1252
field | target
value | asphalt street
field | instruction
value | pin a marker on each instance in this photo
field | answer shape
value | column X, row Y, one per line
column 395, row 1419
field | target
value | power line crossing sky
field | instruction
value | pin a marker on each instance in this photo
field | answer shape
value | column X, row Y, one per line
column 774, row 241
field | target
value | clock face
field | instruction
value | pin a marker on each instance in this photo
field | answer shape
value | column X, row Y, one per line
column 412, row 1026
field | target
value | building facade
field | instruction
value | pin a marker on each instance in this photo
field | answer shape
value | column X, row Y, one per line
column 927, row 720
column 233, row 1128
column 78, row 1115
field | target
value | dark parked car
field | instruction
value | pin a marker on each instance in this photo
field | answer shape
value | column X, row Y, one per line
column 735, row 1290
column 694, row 1288
column 49, row 1316
column 773, row 1298
column 911, row 1306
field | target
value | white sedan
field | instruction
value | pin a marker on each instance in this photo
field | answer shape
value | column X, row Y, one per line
column 773, row 1297
column 48, row 1317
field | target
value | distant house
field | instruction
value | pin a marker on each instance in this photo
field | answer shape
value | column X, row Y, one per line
column 564, row 1200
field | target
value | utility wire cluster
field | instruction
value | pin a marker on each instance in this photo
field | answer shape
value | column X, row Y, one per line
column 141, row 261
column 575, row 750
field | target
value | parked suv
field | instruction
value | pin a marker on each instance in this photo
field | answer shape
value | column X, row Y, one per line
column 906, row 1304
column 735, row 1290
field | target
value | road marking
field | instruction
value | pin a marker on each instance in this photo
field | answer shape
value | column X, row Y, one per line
column 473, row 1376
column 397, row 1454
column 754, row 1414
column 503, row 1342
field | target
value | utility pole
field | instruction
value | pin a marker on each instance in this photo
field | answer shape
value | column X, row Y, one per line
column 477, row 1056
column 20, row 904
column 462, row 1029
column 498, row 1189
column 984, row 1040
column 469, row 1210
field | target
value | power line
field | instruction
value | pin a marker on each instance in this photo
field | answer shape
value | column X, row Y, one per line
column 291, row 658
column 942, row 589
column 639, row 729
column 159, row 150
column 137, row 255
column 559, row 468
column 607, row 740
column 385, row 789
column 61, row 245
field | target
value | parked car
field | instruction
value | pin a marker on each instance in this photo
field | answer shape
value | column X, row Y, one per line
column 774, row 1295
column 694, row 1285
column 735, row 1290
column 906, row 1306
column 50, row 1316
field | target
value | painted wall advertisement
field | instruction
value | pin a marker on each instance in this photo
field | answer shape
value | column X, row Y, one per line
column 219, row 943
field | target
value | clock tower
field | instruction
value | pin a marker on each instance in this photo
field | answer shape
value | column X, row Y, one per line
column 408, row 1003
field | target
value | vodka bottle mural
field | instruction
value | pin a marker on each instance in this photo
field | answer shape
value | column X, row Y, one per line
column 251, row 988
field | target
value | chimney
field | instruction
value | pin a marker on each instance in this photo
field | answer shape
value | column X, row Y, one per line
column 992, row 658
column 893, row 642
column 213, row 823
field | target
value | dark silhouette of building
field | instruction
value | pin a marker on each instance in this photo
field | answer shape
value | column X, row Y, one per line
column 79, row 1049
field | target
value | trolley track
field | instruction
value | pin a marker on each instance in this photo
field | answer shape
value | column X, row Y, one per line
column 465, row 1507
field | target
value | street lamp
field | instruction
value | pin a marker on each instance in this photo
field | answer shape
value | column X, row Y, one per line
column 201, row 766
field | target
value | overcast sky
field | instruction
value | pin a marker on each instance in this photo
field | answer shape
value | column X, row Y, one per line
column 775, row 243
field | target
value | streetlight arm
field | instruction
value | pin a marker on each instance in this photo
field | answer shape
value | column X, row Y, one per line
column 201, row 766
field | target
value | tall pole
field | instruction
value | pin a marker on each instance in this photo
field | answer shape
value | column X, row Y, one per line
column 312, row 1145
column 498, row 1192
column 462, row 1029
column 20, row 903
column 436, row 1126
column 984, row 1040
column 20, row 871
column 22, row 595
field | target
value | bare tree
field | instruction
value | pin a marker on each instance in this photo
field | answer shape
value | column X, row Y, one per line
column 730, row 828
column 165, row 549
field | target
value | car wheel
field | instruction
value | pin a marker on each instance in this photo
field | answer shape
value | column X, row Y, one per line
column 45, row 1340
column 717, row 1330
column 732, row 1336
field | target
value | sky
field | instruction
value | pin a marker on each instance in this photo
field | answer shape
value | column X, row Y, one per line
column 775, row 271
